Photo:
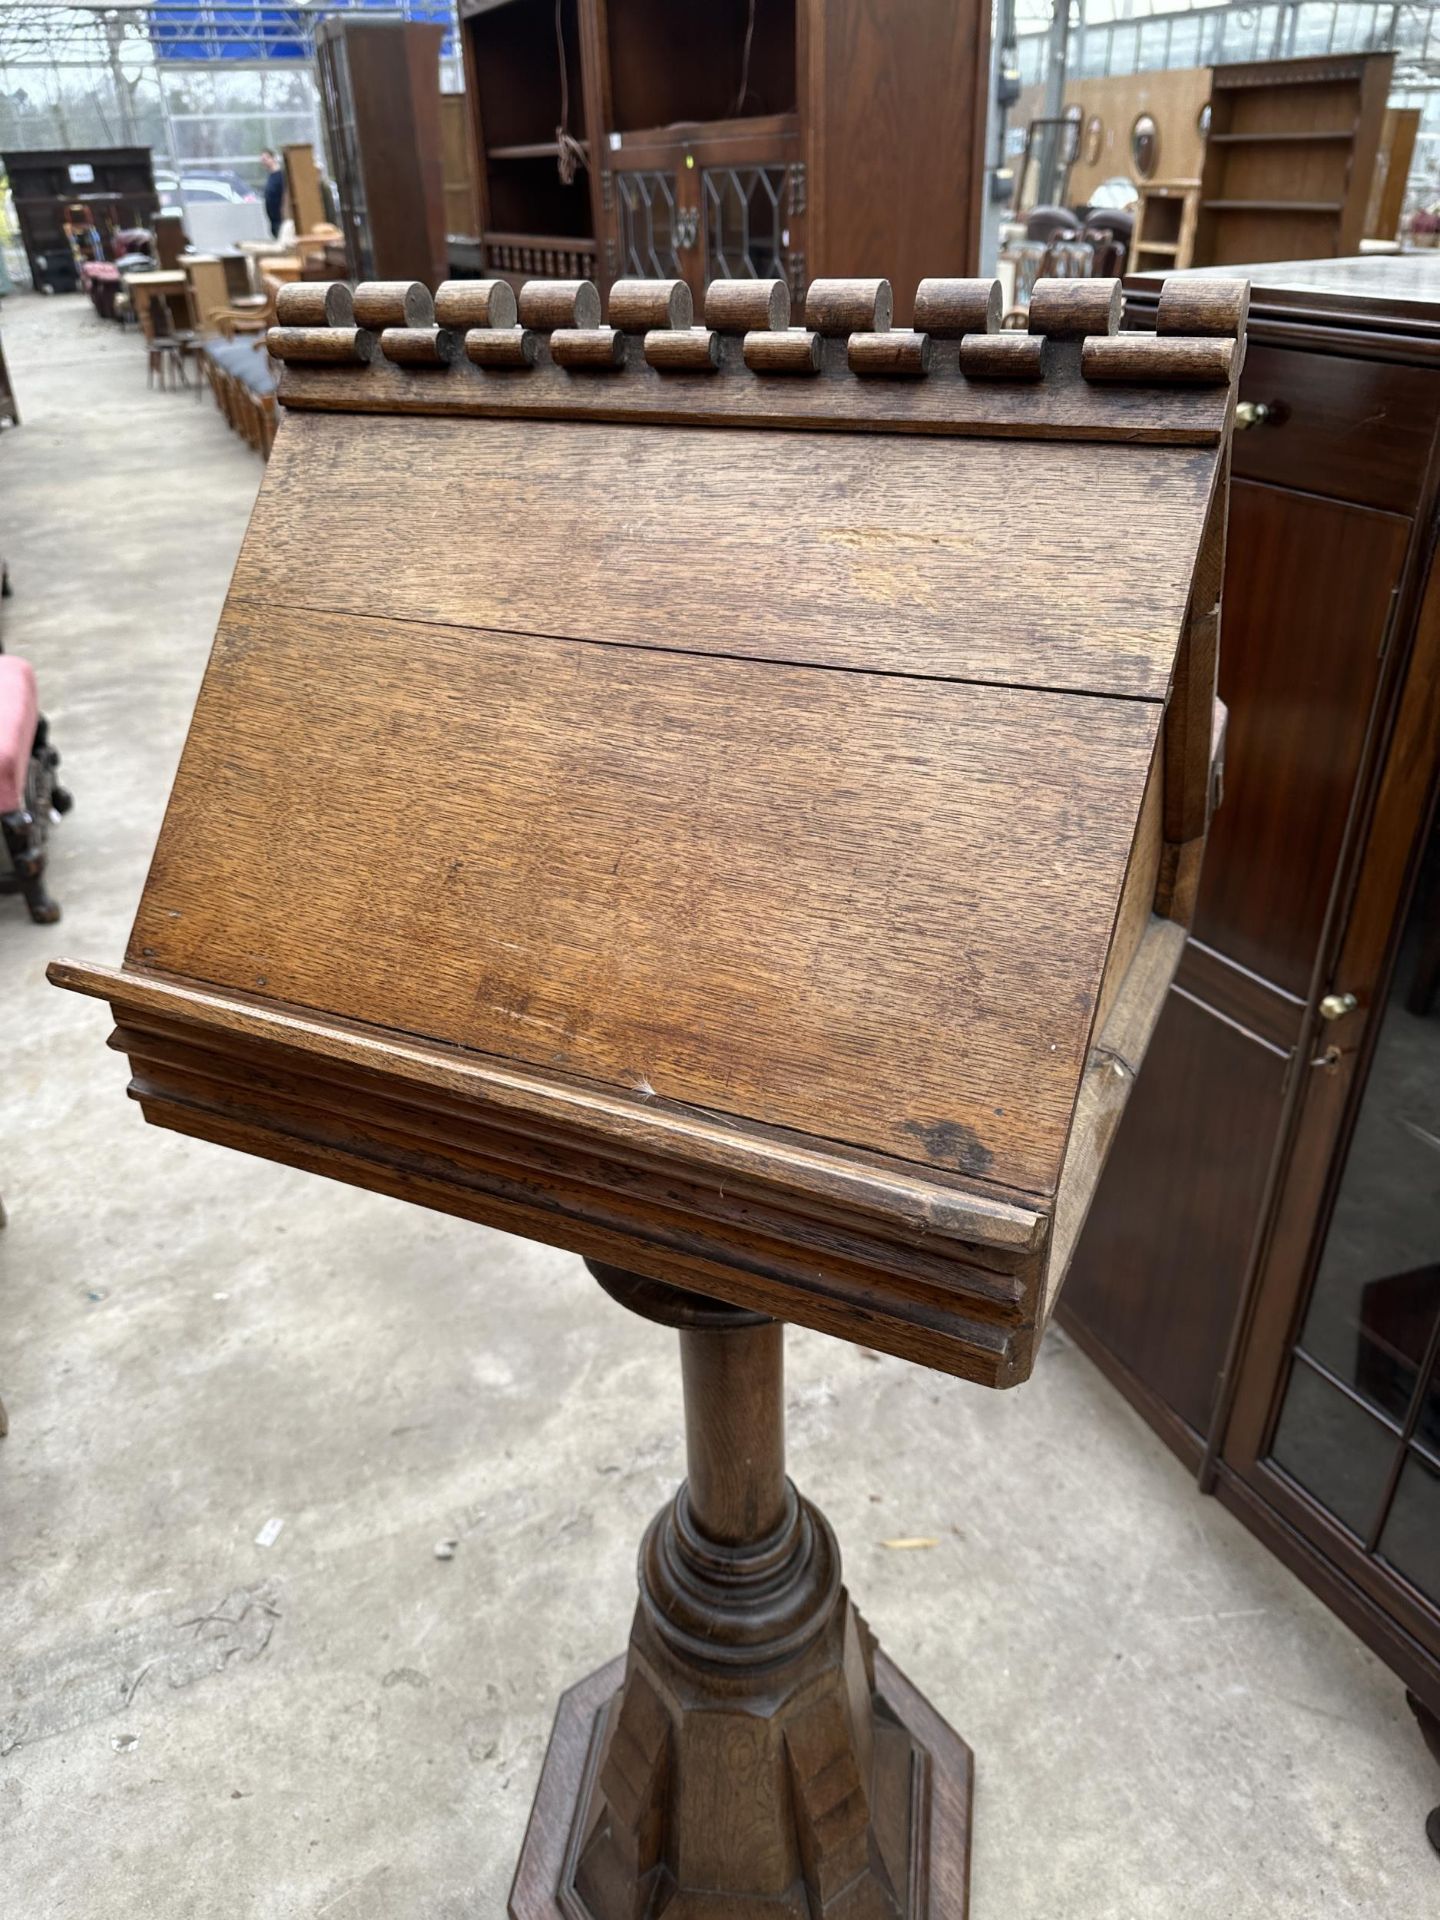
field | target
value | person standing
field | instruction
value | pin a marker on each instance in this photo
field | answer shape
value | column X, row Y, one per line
column 274, row 189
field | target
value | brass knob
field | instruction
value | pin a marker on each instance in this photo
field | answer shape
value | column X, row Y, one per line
column 1251, row 413
column 1335, row 1006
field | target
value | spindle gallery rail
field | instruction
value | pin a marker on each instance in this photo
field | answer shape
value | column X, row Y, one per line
column 478, row 348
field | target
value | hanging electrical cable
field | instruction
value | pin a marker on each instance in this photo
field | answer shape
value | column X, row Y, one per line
column 570, row 154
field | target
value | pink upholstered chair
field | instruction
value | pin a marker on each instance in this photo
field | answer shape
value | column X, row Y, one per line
column 28, row 788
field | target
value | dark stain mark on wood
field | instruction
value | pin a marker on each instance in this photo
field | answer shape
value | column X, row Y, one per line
column 949, row 1144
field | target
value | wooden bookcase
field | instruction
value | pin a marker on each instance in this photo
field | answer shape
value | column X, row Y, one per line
column 380, row 95
column 1290, row 158
column 798, row 138
column 1164, row 236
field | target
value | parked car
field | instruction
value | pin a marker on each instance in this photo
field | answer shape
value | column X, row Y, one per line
column 202, row 185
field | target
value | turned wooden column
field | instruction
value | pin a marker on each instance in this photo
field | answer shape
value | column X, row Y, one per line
column 735, row 1429
column 752, row 1748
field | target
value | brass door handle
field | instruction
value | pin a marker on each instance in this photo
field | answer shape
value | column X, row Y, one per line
column 1335, row 1006
column 1252, row 413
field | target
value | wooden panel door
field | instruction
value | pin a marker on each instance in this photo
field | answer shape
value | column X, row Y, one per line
column 1157, row 1287
column 1308, row 588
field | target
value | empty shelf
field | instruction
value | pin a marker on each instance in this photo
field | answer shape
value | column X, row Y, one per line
column 1272, row 206
column 1276, row 139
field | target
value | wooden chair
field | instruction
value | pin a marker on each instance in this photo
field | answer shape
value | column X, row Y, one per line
column 163, row 362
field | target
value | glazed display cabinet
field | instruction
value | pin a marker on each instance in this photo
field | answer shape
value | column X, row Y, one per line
column 1261, row 1270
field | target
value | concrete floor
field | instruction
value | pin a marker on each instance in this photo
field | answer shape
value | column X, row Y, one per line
column 195, row 1345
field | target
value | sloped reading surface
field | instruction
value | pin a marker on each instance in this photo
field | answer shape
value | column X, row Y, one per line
column 741, row 832
column 959, row 559
column 866, row 907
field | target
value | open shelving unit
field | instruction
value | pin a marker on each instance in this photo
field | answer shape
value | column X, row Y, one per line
column 740, row 138
column 1164, row 236
column 1290, row 159
column 524, row 81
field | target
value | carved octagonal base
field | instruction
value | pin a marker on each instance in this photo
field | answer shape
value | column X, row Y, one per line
column 753, row 1757
column 924, row 1768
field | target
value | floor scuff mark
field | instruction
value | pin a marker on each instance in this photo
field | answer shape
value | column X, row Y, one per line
column 68, row 1688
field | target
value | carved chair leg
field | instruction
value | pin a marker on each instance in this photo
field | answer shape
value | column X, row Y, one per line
column 754, row 1751
column 25, row 843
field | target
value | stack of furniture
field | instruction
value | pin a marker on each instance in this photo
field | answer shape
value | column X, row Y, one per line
column 115, row 186
column 1261, row 1271
column 1290, row 158
column 798, row 138
column 380, row 93
column 1269, row 160
column 151, row 289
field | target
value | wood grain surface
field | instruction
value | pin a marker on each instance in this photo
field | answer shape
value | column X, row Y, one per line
column 866, row 553
column 1058, row 406
column 627, row 902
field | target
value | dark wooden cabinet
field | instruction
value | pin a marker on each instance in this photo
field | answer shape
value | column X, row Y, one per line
column 795, row 139
column 379, row 87
column 1260, row 1272
column 72, row 201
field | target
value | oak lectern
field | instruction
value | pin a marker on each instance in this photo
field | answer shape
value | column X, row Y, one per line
column 757, row 779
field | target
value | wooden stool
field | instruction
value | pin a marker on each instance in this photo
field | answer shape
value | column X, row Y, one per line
column 163, row 358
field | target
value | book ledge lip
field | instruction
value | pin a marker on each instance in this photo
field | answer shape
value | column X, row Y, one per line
column 924, row 1202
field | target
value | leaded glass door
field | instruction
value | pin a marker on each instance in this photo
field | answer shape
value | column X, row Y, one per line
column 718, row 202
column 1358, row 1425
column 1336, row 1424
